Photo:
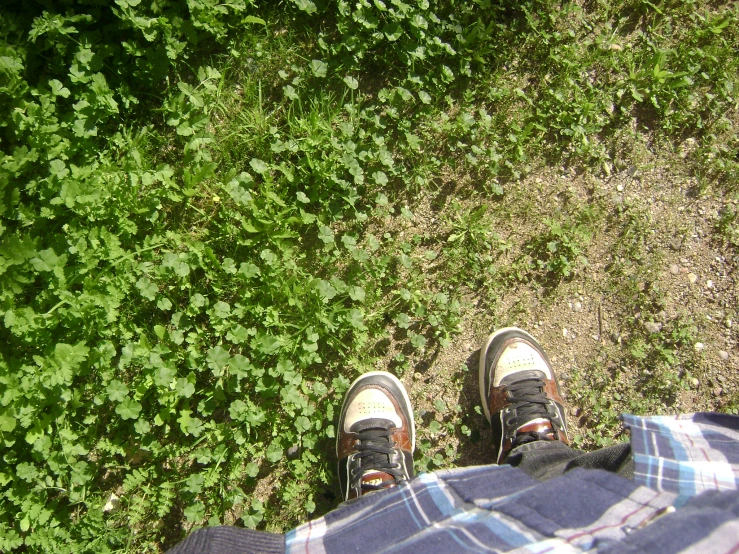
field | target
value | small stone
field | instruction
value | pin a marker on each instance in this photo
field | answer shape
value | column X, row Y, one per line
column 293, row 452
column 576, row 307
column 709, row 284
column 574, row 411
column 692, row 277
column 652, row 327
column 728, row 323
column 112, row 504
column 616, row 47
column 620, row 188
column 467, row 347
column 684, row 270
column 699, row 346
column 674, row 269
column 695, row 382
column 723, row 354
column 717, row 391
column 565, row 334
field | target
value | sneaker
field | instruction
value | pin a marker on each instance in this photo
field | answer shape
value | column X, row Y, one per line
column 519, row 392
column 376, row 435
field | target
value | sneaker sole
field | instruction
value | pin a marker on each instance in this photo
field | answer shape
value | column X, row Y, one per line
column 483, row 358
column 406, row 399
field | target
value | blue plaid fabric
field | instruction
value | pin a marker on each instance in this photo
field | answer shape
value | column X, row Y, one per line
column 683, row 498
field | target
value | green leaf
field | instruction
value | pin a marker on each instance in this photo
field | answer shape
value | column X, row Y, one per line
column 356, row 319
column 325, row 234
column 251, row 469
column 142, row 426
column 325, row 289
column 128, row 409
column 268, row 344
column 46, row 260
column 117, row 391
column 274, row 452
column 392, row 31
column 381, row 179
column 218, row 359
column 195, row 512
column 221, row 309
column 259, row 166
column 302, row 424
column 302, row 197
column 147, row 289
column 403, row 321
column 351, row 82
column 356, row 293
column 319, row 68
column 254, row 19
column 418, row 341
column 190, row 425
column 306, row 5
column 58, row 89
column 194, row 483
column 184, row 388
column 249, row 270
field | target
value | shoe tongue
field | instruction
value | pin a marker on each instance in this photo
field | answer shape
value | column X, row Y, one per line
column 377, row 479
column 540, row 426
column 371, row 423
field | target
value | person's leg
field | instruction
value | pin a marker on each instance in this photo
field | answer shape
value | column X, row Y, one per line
column 522, row 402
column 376, row 435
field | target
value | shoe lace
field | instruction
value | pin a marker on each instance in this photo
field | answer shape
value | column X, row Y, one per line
column 373, row 450
column 531, row 402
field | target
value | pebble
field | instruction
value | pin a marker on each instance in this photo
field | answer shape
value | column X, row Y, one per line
column 565, row 334
column 723, row 354
column 728, row 323
column 293, row 452
column 652, row 327
column 574, row 411
column 112, row 504
column 467, row 347
column 684, row 270
column 699, row 346
column 692, row 277
column 695, row 382
column 709, row 284
column 674, row 269
column 576, row 307
column 620, row 188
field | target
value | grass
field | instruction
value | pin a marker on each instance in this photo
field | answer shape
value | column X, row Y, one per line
column 204, row 246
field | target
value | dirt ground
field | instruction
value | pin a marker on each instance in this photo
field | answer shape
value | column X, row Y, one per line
column 583, row 321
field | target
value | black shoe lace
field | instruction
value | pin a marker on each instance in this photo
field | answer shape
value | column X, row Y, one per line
column 531, row 402
column 374, row 448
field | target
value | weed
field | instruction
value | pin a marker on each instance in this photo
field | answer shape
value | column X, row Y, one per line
column 207, row 229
